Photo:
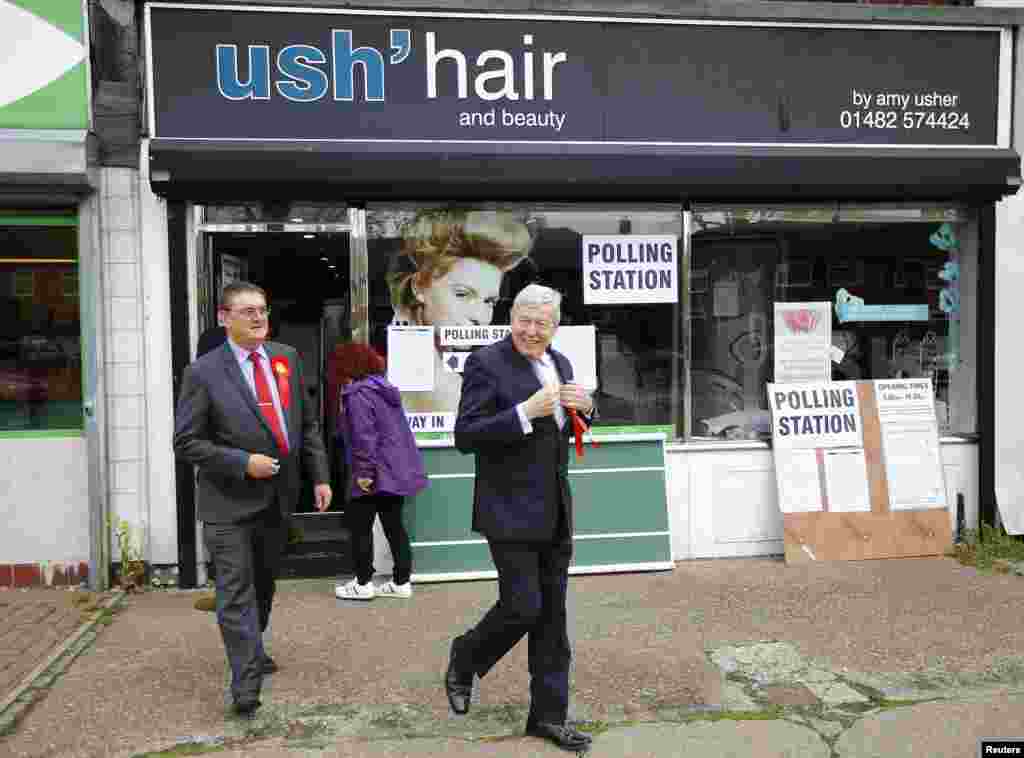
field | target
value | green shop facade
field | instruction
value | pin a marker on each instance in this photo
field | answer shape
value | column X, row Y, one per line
column 296, row 147
column 49, row 438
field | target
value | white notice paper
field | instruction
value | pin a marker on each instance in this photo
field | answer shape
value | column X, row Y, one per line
column 796, row 472
column 846, row 481
column 910, row 444
column 579, row 345
column 803, row 342
column 411, row 358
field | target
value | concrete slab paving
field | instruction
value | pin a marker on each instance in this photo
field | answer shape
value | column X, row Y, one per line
column 937, row 730
column 764, row 739
column 650, row 668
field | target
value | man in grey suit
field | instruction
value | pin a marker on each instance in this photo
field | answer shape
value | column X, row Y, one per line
column 244, row 421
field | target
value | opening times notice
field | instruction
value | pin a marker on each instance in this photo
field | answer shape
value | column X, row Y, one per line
column 910, row 111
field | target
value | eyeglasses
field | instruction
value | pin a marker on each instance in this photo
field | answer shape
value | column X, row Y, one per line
column 250, row 312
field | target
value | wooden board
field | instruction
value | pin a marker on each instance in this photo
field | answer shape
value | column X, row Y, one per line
column 860, row 536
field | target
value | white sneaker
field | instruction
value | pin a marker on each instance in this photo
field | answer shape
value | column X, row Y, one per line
column 390, row 589
column 353, row 590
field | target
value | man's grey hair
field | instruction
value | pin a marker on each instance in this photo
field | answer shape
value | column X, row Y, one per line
column 538, row 294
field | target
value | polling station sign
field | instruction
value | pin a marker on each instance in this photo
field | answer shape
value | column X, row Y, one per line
column 820, row 415
column 629, row 269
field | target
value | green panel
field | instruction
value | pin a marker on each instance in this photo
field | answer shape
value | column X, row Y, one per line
column 32, row 434
column 447, row 460
column 59, row 415
column 450, row 559
column 614, row 502
column 619, row 454
column 627, row 501
column 8, row 218
column 64, row 14
column 61, row 104
column 619, row 550
column 668, row 430
column 443, row 511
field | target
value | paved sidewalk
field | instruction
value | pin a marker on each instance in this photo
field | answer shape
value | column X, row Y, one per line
column 730, row 657
column 33, row 622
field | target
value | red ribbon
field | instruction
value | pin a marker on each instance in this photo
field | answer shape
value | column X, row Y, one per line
column 578, row 430
column 282, row 371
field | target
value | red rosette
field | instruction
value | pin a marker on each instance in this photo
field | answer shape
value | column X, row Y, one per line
column 282, row 372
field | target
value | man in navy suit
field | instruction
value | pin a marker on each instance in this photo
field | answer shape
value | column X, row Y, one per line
column 244, row 421
column 514, row 416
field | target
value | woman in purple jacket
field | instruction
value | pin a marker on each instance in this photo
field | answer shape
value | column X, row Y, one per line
column 384, row 463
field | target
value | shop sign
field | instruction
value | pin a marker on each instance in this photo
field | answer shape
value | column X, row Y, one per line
column 43, row 70
column 221, row 72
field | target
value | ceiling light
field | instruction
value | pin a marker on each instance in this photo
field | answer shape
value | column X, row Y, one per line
column 296, row 220
column 323, row 257
column 308, row 236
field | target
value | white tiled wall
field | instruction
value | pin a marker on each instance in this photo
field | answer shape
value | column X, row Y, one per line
column 137, row 363
column 123, row 362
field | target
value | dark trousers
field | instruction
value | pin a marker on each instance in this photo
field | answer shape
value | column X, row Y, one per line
column 246, row 557
column 361, row 512
column 532, row 582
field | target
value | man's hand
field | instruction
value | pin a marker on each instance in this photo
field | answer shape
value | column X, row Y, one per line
column 542, row 402
column 574, row 396
column 262, row 466
column 322, row 496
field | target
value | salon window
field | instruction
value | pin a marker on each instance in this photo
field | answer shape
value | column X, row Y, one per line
column 449, row 281
column 40, row 331
column 921, row 261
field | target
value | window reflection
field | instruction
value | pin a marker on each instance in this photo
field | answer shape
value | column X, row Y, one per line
column 898, row 281
column 637, row 355
column 40, row 333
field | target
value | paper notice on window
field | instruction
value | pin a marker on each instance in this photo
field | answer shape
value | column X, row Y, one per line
column 846, row 481
column 579, row 345
column 797, row 474
column 910, row 444
column 803, row 342
column 411, row 358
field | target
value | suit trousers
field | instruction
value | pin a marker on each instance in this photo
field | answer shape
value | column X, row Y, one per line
column 246, row 556
column 532, row 582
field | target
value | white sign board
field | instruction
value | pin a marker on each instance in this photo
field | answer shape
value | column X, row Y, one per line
column 623, row 269
column 910, row 443
column 411, row 358
column 820, row 415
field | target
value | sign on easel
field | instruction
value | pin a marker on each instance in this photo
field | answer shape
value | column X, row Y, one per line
column 858, row 470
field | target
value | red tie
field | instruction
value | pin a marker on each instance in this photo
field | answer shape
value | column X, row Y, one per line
column 266, row 402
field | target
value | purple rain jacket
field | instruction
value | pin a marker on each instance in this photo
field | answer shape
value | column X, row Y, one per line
column 378, row 442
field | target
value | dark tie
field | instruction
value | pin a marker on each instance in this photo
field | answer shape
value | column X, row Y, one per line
column 266, row 402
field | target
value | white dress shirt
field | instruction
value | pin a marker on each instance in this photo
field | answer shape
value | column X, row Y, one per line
column 242, row 356
column 544, row 369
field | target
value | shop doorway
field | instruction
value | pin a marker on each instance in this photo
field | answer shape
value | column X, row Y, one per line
column 305, row 270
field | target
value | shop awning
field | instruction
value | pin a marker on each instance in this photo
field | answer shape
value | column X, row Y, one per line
column 42, row 173
column 219, row 170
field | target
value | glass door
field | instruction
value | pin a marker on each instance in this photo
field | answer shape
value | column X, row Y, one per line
column 300, row 255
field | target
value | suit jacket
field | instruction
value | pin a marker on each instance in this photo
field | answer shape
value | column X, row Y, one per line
column 521, row 492
column 218, row 424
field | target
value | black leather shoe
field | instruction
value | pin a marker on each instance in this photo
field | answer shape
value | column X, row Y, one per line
column 269, row 667
column 246, row 709
column 562, row 735
column 458, row 685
